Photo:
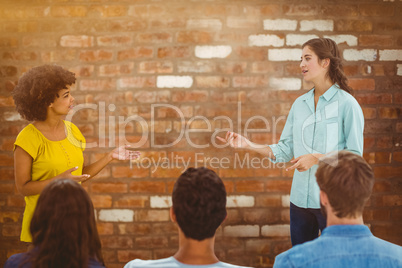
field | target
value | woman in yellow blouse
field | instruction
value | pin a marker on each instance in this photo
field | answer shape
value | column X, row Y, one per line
column 50, row 148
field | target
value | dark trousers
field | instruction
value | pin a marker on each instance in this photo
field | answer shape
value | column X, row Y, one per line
column 305, row 224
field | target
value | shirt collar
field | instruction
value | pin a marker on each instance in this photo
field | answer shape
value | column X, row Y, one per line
column 347, row 230
column 327, row 95
column 330, row 92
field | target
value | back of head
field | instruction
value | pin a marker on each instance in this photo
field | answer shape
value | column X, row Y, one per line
column 63, row 227
column 199, row 203
column 326, row 48
column 348, row 180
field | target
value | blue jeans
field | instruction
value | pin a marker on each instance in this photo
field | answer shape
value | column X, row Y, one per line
column 305, row 224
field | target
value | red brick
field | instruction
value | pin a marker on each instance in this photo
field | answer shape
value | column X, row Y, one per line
column 15, row 201
column 151, row 242
column 232, row 67
column 261, row 216
column 242, row 172
column 136, row 229
column 10, row 216
column 369, row 113
column 117, row 242
column 300, row 10
column 353, row 25
column 371, row 10
column 167, row 23
column 197, row 37
column 351, row 70
column 268, row 201
column 148, row 187
column 249, row 186
column 270, row 9
column 105, row 228
column 174, row 52
column 376, row 214
column 8, row 42
column 102, row 201
column 398, row 98
column 114, row 40
column 371, row 98
column 190, row 96
column 344, row 9
column 102, row 187
column 164, row 228
column 131, row 202
column 378, row 126
column 387, row 172
column 268, row 172
column 96, row 55
column 166, row 172
column 362, row 84
column 250, row 81
column 123, row 25
column 382, row 186
column 369, row 157
column 7, row 71
column 109, row 11
column 116, row 69
column 389, row 112
column 278, row 186
column 212, row 81
column 7, row 188
column 384, row 142
column 152, row 215
column 397, row 157
column 382, row 157
column 392, row 200
column 376, row 40
column 127, row 172
column 68, row 11
column 151, row 67
column 11, row 230
column 135, row 53
column 369, row 142
column 97, row 85
column 392, row 25
column 252, row 53
column 154, row 38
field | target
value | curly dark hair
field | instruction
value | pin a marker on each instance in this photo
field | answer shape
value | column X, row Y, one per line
column 199, row 202
column 38, row 88
column 63, row 227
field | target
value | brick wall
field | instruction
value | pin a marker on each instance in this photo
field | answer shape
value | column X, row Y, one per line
column 209, row 65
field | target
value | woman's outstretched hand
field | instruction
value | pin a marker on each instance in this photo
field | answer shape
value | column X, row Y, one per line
column 235, row 140
column 304, row 162
column 122, row 153
column 78, row 178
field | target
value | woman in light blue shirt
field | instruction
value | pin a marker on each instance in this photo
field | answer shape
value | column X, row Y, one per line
column 325, row 119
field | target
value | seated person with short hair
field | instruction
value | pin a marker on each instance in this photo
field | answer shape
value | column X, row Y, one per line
column 346, row 181
column 199, row 208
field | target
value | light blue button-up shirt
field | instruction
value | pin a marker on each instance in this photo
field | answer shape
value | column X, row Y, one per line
column 342, row 246
column 336, row 124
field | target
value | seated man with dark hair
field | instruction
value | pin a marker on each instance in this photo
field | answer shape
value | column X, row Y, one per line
column 345, row 182
column 199, row 208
